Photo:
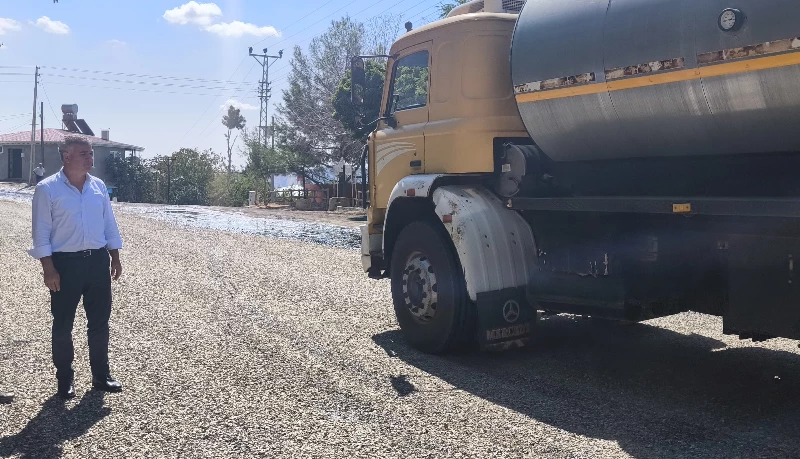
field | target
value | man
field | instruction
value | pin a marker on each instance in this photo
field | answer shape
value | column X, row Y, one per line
column 39, row 171
column 6, row 397
column 75, row 234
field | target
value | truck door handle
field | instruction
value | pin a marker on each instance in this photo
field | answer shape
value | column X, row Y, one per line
column 416, row 163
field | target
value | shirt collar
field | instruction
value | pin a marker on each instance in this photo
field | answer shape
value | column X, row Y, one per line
column 63, row 177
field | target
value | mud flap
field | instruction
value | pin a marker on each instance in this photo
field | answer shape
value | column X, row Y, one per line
column 505, row 319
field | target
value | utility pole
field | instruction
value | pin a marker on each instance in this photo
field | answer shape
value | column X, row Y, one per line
column 264, row 90
column 32, row 156
column 169, row 176
column 41, row 130
column 272, row 177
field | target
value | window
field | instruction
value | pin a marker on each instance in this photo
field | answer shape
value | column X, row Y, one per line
column 410, row 85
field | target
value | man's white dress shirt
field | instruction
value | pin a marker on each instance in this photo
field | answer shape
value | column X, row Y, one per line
column 68, row 220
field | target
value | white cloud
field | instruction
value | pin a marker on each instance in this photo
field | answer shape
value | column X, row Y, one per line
column 238, row 28
column 51, row 26
column 9, row 25
column 237, row 104
column 204, row 15
column 193, row 13
column 116, row 43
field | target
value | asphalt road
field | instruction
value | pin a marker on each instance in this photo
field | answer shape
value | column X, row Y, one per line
column 239, row 345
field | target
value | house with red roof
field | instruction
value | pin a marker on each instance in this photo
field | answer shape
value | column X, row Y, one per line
column 15, row 149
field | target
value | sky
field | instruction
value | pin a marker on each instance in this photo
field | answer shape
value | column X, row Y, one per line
column 159, row 73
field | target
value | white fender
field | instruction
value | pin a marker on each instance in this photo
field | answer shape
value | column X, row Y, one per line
column 420, row 184
column 495, row 244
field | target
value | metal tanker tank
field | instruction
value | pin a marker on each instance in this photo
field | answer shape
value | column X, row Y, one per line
column 606, row 79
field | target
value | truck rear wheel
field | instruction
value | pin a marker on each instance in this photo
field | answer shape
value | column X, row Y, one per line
column 428, row 290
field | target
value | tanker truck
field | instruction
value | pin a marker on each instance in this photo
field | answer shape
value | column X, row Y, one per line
column 618, row 159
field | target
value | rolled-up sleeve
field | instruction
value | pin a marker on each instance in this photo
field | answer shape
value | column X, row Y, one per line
column 42, row 224
column 113, row 238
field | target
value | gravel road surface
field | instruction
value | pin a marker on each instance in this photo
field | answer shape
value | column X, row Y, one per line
column 240, row 345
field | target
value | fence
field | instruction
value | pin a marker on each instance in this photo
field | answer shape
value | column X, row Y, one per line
column 316, row 199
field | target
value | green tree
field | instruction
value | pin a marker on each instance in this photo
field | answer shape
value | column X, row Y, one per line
column 232, row 120
column 352, row 117
column 263, row 163
column 300, row 157
column 446, row 8
column 231, row 190
column 133, row 179
column 185, row 177
column 319, row 138
column 307, row 106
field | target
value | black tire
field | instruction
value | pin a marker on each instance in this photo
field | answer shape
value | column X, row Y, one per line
column 451, row 327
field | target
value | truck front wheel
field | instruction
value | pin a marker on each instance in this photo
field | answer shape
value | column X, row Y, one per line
column 428, row 290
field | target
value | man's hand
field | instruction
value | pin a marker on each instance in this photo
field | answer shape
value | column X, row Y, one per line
column 116, row 265
column 51, row 277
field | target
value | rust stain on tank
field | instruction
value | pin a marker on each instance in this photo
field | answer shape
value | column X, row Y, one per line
column 760, row 49
column 648, row 67
column 555, row 83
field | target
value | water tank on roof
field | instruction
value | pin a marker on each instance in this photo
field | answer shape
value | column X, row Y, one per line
column 69, row 108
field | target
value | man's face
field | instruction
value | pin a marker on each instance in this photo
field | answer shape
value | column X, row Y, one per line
column 79, row 157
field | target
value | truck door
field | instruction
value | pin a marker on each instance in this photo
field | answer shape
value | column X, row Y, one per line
column 399, row 143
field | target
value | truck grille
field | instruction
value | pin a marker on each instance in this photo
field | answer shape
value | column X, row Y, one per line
column 513, row 5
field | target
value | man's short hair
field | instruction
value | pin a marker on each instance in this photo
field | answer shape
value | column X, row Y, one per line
column 70, row 141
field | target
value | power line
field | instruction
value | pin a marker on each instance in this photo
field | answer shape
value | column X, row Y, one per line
column 419, row 14
column 13, row 117
column 297, row 21
column 285, row 76
column 55, row 116
column 136, row 89
column 138, row 75
column 109, row 80
column 282, row 41
column 245, row 78
column 18, row 127
column 200, row 136
column 322, row 19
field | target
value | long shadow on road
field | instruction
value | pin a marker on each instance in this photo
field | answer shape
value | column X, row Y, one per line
column 55, row 424
column 656, row 392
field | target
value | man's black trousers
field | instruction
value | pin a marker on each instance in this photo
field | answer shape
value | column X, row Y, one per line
column 86, row 274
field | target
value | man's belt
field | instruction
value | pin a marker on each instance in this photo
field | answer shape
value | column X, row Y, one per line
column 80, row 254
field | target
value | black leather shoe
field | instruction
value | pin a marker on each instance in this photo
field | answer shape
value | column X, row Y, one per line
column 107, row 384
column 66, row 390
column 6, row 397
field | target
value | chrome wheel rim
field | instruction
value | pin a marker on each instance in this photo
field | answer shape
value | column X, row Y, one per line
column 420, row 288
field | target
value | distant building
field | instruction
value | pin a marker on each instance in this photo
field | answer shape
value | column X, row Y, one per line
column 15, row 149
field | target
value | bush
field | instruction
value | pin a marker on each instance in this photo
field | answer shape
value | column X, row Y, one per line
column 233, row 192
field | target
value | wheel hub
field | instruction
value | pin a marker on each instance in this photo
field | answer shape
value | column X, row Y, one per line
column 419, row 287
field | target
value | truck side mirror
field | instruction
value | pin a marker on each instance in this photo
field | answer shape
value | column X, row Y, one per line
column 358, row 80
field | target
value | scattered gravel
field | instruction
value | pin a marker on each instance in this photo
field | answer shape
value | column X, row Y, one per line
column 237, row 345
column 233, row 221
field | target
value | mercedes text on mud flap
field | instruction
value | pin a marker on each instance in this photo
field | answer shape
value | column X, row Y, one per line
column 556, row 157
